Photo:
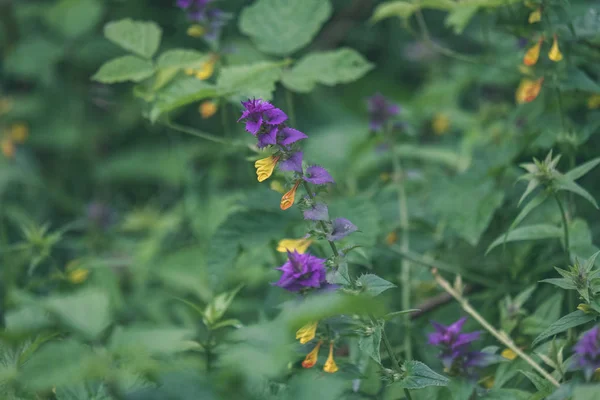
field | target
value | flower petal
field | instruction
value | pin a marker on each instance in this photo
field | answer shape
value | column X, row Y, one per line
column 288, row 136
column 318, row 212
column 293, row 163
column 317, row 175
column 341, row 228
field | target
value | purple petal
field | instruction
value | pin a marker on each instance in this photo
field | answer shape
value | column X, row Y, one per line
column 268, row 138
column 293, row 163
column 457, row 326
column 341, row 228
column 288, row 136
column 317, row 175
column 274, row 116
column 318, row 212
column 184, row 3
column 253, row 124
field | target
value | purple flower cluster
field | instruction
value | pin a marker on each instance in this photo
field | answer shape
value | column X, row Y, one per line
column 302, row 271
column 587, row 352
column 381, row 110
column 212, row 19
column 456, row 355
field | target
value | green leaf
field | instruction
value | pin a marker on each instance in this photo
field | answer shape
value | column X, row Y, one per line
column 141, row 38
column 373, row 285
column 585, row 392
column 73, row 18
column 530, row 232
column 152, row 339
column 532, row 205
column 541, row 384
column 282, row 27
column 400, row 9
column 181, row 58
column 561, row 283
column 571, row 320
column 371, row 344
column 122, row 69
column 548, row 311
column 419, row 375
column 252, row 80
column 28, row 318
column 218, row 306
column 86, row 312
column 395, row 314
column 563, row 183
column 582, row 169
column 460, row 17
column 579, row 80
column 329, row 68
column 179, row 93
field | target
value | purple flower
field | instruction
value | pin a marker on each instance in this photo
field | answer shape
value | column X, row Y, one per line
column 318, row 212
column 293, row 163
column 456, row 354
column 185, row 4
column 288, row 136
column 317, row 175
column 257, row 111
column 267, row 138
column 341, row 228
column 380, row 111
column 587, row 352
column 302, row 271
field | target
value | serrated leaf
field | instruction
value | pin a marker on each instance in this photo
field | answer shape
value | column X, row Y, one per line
column 329, row 68
column 419, row 375
column 181, row 58
column 571, row 320
column 371, row 344
column 247, row 81
column 179, row 93
column 582, row 169
column 141, row 38
column 122, row 69
column 373, row 285
column 563, row 183
column 530, row 232
column 282, row 27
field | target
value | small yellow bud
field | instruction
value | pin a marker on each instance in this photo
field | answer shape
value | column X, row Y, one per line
column 311, row 358
column 264, row 167
column 391, row 237
column 208, row 109
column 528, row 90
column 196, row 31
column 78, row 275
column 307, row 332
column 206, row 70
column 330, row 365
column 593, row 101
column 584, row 307
column 555, row 54
column 535, row 16
column 19, row 132
column 441, row 124
column 533, row 54
column 508, row 354
column 488, row 382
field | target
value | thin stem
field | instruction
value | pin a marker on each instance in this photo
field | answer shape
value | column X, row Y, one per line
column 501, row 336
column 561, row 110
column 565, row 224
column 312, row 197
column 289, row 99
column 198, row 133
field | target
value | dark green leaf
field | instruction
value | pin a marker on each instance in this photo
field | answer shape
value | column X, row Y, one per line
column 419, row 375
column 530, row 232
column 371, row 344
column 571, row 320
column 141, row 38
column 373, row 285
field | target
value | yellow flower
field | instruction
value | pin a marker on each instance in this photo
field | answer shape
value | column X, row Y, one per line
column 584, row 307
column 277, row 186
column 208, row 109
column 19, row 132
column 78, row 275
column 555, row 54
column 264, row 167
column 508, row 354
column 196, row 31
column 441, row 123
column 593, row 101
column 207, row 69
column 528, row 90
column 533, row 54
column 307, row 332
column 8, row 147
column 288, row 199
column 535, row 16
column 330, row 365
column 596, row 376
column 311, row 358
column 384, row 176
column 391, row 237
column 488, row 382
column 299, row 245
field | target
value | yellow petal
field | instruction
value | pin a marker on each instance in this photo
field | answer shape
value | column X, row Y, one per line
column 533, row 54
column 555, row 54
column 311, row 358
column 196, row 31
column 288, row 199
column 593, row 101
column 208, row 109
column 8, row 147
column 528, row 90
column 535, row 16
column 19, row 132
column 78, row 275
column 206, row 70
column 488, row 382
column 307, row 332
column 330, row 365
column 299, row 245
column 508, row 354
column 264, row 167
column 441, row 124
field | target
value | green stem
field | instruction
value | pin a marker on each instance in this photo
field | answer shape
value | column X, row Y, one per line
column 312, row 197
column 198, row 133
column 565, row 224
column 289, row 99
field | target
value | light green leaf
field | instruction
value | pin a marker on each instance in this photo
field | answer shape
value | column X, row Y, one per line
column 329, row 68
column 152, row 339
column 179, row 93
column 122, row 69
column 142, row 38
column 561, row 283
column 371, row 344
column 282, row 27
column 532, row 205
column 419, row 375
column 433, row 154
column 571, row 320
column 530, row 232
column 563, row 183
column 578, row 80
column 400, row 9
column 373, row 285
column 218, row 306
column 86, row 312
column 181, row 58
column 582, row 169
column 585, row 392
column 252, row 80
column 73, row 18
column 29, row 318
column 460, row 17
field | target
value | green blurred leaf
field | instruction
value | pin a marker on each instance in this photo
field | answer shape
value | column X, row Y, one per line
column 585, row 392
column 400, row 9
column 122, row 69
column 582, row 169
column 179, row 93
column 141, row 38
column 571, row 320
column 247, row 81
column 373, row 285
column 181, row 58
column 282, row 27
column 530, row 232
column 419, row 375
column 218, row 306
column 153, row 339
column 563, row 183
column 459, row 18
column 371, row 344
column 73, row 18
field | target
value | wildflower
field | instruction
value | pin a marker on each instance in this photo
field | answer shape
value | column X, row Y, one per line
column 555, row 54
column 535, row 16
column 76, row 274
column 288, row 198
column 292, row 163
column 205, row 70
column 528, row 90
column 456, row 356
column 317, row 212
column 533, row 54
column 265, row 166
column 258, row 111
column 381, row 110
column 288, row 136
column 317, row 175
column 593, row 101
column 299, row 245
column 16, row 134
column 208, row 109
column 440, row 124
column 508, row 354
column 301, row 271
column 311, row 358
column 307, row 332
column 587, row 352
column 330, row 365
column 341, row 228
column 196, row 31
